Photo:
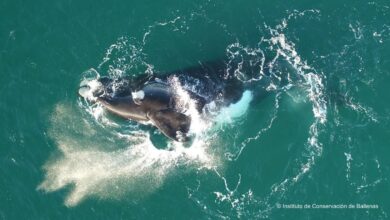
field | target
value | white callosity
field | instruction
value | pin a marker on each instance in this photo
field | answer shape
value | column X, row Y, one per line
column 138, row 96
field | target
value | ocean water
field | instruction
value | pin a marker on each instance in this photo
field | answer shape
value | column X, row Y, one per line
column 309, row 139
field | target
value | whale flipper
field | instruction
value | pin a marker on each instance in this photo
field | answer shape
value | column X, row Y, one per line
column 173, row 124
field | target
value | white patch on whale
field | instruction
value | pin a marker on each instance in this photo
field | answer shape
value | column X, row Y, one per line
column 138, row 95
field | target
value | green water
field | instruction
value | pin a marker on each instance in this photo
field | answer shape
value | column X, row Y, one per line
column 318, row 135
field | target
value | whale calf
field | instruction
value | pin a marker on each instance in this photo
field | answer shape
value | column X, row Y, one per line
column 155, row 100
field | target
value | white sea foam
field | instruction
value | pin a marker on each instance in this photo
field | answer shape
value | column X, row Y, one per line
column 159, row 24
column 348, row 158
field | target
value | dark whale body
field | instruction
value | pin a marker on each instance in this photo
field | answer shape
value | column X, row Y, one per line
column 154, row 99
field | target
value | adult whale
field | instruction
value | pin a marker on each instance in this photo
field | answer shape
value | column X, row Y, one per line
column 156, row 99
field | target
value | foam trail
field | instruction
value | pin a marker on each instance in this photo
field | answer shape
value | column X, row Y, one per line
column 93, row 168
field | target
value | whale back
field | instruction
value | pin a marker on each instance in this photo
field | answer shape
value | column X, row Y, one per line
column 157, row 96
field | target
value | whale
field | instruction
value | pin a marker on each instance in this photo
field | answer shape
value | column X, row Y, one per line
column 154, row 99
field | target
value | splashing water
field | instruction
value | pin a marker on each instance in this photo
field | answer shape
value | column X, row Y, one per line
column 92, row 170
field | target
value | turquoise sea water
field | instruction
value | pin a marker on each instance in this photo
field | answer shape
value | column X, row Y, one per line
column 315, row 131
